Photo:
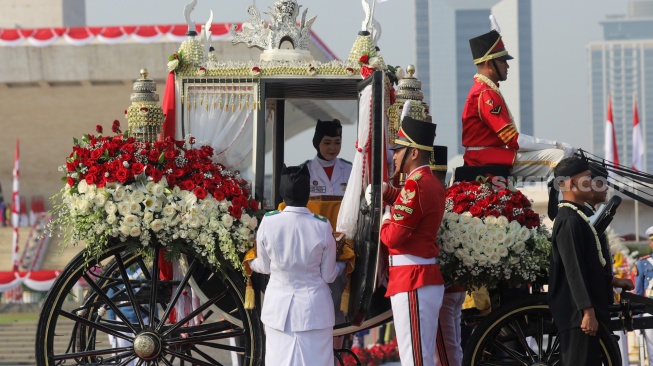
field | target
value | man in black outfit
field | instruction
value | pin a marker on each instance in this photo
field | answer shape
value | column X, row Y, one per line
column 579, row 289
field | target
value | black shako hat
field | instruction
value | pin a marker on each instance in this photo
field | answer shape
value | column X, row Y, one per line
column 415, row 133
column 295, row 185
column 439, row 158
column 488, row 46
column 326, row 128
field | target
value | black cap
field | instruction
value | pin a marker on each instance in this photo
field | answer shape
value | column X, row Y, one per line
column 488, row 46
column 295, row 185
column 439, row 158
column 326, row 128
column 416, row 134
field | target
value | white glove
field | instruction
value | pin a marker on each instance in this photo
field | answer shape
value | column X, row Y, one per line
column 368, row 192
column 568, row 149
column 530, row 143
column 386, row 214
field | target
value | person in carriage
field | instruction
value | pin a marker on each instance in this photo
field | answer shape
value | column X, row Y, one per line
column 489, row 133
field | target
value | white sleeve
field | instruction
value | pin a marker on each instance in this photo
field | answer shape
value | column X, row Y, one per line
column 328, row 267
column 530, row 143
column 261, row 263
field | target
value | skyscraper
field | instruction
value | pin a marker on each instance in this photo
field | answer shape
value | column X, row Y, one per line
column 620, row 67
column 451, row 77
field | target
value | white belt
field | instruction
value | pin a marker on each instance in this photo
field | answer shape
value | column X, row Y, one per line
column 410, row 260
column 476, row 148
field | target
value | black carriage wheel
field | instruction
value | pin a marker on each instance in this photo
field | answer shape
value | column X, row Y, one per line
column 79, row 333
column 523, row 333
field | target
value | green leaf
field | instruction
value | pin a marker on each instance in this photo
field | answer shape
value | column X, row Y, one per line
column 161, row 158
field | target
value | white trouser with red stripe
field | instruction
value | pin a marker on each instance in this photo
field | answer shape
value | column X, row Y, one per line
column 448, row 350
column 415, row 316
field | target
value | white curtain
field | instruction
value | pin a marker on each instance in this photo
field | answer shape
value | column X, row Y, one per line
column 348, row 214
column 228, row 130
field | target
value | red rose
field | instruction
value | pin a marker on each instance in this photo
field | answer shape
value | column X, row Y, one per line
column 475, row 211
column 126, row 157
column 156, row 174
column 218, row 195
column 192, row 140
column 153, row 156
column 236, row 211
column 90, row 179
column 96, row 154
column 122, row 174
column 200, row 193
column 178, row 173
column 98, row 128
column 129, row 148
column 458, row 209
column 116, row 126
column 483, row 203
column 172, row 181
column 187, row 185
column 460, row 198
column 253, row 205
column 235, row 190
column 138, row 168
column 71, row 182
column 198, row 178
column 492, row 199
column 170, row 154
column 364, row 59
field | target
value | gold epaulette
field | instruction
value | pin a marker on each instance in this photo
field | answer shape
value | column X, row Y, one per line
column 417, row 176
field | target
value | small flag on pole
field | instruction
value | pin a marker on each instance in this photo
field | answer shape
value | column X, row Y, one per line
column 15, row 209
column 638, row 141
column 610, row 147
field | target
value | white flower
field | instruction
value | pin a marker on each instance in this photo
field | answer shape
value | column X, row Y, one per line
column 157, row 190
column 124, row 230
column 135, row 231
column 468, row 261
column 374, row 62
column 253, row 223
column 100, row 199
column 83, row 206
column 515, row 226
column 149, row 203
column 499, row 236
column 213, row 224
column 131, row 220
column 502, row 221
column 124, row 208
column 228, row 221
column 244, row 231
column 490, row 220
column 172, row 65
column 194, row 221
column 519, row 247
column 244, row 219
column 224, row 206
column 465, row 218
column 156, row 225
column 513, row 260
column 169, row 210
column 502, row 251
column 111, row 219
column 82, row 186
column 119, row 193
column 137, row 196
column 448, row 247
column 524, row 234
column 148, row 217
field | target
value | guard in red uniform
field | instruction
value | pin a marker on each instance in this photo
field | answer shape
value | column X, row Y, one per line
column 409, row 230
column 490, row 136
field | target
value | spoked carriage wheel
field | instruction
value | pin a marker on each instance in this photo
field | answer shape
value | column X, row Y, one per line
column 523, row 333
column 219, row 327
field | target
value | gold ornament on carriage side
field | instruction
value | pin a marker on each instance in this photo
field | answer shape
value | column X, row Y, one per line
column 409, row 88
column 145, row 116
column 281, row 31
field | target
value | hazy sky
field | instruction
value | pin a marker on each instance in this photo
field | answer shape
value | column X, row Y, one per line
column 561, row 31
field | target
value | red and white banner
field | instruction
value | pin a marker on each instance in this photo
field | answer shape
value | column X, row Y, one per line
column 610, row 147
column 34, row 280
column 638, row 141
column 15, row 209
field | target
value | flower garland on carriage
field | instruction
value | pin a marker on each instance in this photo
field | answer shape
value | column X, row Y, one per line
column 491, row 235
column 147, row 189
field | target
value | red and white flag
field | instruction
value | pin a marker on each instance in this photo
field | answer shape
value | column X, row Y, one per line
column 15, row 210
column 638, row 141
column 610, row 147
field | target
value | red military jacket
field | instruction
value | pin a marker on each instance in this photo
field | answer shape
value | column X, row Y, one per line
column 413, row 228
column 487, row 123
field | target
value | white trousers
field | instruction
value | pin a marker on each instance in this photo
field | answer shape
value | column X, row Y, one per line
column 537, row 163
column 415, row 316
column 448, row 351
column 311, row 347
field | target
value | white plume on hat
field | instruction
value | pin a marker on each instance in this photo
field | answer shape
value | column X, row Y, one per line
column 494, row 23
column 405, row 111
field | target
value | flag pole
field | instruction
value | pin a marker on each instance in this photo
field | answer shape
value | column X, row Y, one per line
column 15, row 209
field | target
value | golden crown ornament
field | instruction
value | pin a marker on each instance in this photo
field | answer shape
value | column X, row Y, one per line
column 282, row 30
column 144, row 116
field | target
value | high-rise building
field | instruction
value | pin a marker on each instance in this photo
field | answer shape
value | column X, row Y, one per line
column 620, row 68
column 453, row 23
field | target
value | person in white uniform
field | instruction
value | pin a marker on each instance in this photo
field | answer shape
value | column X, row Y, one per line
column 329, row 173
column 297, row 249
